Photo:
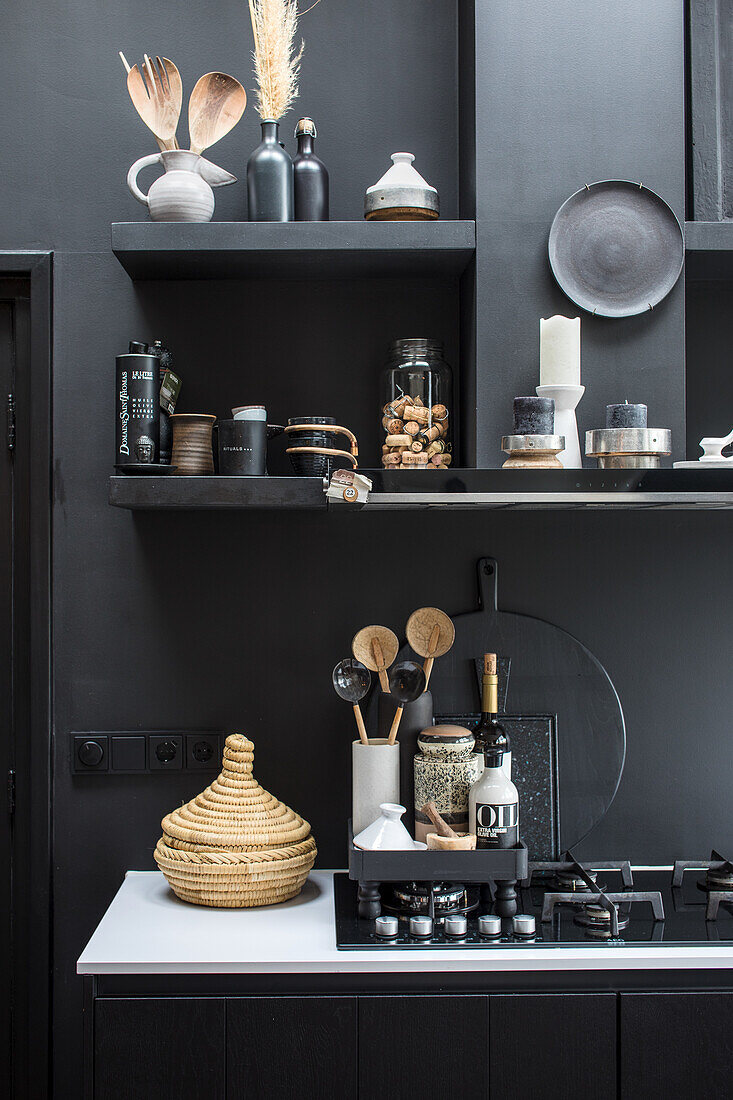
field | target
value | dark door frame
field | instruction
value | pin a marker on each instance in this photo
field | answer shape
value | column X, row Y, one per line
column 33, row 792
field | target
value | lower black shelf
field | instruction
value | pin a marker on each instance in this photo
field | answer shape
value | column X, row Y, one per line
column 467, row 489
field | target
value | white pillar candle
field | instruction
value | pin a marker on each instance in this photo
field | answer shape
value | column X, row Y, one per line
column 560, row 351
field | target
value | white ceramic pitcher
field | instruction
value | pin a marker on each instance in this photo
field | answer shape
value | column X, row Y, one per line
column 183, row 193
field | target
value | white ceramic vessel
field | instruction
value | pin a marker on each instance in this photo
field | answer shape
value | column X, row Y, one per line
column 567, row 399
column 401, row 188
column 184, row 192
column 375, row 774
column 712, row 454
column 387, row 833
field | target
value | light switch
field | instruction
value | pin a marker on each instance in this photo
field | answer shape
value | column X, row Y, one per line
column 128, row 754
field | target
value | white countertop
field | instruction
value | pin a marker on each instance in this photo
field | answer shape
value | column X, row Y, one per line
column 148, row 930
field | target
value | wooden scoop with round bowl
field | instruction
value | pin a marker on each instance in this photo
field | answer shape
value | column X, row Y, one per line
column 431, row 634
column 376, row 647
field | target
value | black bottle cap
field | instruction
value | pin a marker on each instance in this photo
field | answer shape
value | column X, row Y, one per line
column 493, row 759
column 137, row 348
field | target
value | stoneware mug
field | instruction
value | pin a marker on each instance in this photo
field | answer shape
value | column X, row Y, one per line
column 183, row 193
column 192, row 443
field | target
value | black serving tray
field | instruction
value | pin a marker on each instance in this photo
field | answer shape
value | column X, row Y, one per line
column 482, row 865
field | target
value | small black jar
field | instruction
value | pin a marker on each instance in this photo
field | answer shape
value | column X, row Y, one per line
column 313, row 465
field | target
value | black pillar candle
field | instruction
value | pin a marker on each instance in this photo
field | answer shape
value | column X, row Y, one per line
column 534, row 416
column 626, row 416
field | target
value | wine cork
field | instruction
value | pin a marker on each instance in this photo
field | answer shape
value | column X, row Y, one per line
column 417, row 401
column 431, row 433
column 414, row 412
column 435, row 448
column 412, row 427
column 398, row 405
column 441, row 460
column 394, row 426
column 410, row 459
column 391, row 460
column 398, row 440
column 416, row 445
column 490, row 664
column 439, row 412
column 442, row 426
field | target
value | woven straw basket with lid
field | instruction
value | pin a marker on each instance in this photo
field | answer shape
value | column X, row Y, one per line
column 235, row 845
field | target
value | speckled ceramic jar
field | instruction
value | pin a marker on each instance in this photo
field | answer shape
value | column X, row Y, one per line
column 445, row 770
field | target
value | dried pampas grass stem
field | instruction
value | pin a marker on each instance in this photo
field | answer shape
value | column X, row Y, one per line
column 276, row 58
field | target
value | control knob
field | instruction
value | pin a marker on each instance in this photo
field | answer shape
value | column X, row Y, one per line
column 523, row 924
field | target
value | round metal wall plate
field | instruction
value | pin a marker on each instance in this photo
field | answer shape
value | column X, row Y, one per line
column 616, row 248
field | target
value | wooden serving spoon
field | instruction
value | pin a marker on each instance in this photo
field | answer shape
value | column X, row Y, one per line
column 156, row 95
column 376, row 647
column 406, row 683
column 351, row 681
column 431, row 634
column 216, row 105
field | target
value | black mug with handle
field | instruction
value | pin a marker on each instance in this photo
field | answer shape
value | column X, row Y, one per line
column 243, row 448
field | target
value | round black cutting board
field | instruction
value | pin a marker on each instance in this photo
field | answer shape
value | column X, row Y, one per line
column 551, row 673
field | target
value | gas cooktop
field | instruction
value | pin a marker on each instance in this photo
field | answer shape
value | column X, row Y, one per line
column 560, row 905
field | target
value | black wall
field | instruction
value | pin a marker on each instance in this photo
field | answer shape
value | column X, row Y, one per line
column 235, row 621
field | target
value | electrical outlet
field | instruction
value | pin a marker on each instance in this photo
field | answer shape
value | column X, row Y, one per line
column 165, row 752
column 139, row 752
column 203, row 751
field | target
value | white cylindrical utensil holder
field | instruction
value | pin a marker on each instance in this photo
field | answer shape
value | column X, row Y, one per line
column 375, row 777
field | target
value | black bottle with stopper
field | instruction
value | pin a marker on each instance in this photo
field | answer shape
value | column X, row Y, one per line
column 488, row 730
column 310, row 177
column 493, row 799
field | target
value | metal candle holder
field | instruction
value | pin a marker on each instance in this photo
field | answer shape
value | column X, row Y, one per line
column 628, row 448
column 533, row 452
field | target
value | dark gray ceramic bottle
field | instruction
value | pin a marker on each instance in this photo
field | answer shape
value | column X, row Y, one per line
column 270, row 179
column 310, row 177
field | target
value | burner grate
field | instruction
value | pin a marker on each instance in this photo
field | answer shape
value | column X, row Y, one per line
column 601, row 914
column 565, row 874
column 718, row 881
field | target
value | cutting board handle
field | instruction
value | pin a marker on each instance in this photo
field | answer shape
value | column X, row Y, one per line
column 488, row 584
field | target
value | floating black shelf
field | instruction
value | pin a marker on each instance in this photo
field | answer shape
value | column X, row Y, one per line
column 454, row 489
column 292, row 250
column 194, row 493
column 709, row 250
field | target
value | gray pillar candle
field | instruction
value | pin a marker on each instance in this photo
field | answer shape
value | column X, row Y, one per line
column 534, row 416
column 626, row 416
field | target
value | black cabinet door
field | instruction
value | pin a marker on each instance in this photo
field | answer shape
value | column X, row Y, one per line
column 676, row 1045
column 291, row 1048
column 158, row 1048
column 422, row 1046
column 560, row 1046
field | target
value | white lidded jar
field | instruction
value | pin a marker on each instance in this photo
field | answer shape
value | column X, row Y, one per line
column 493, row 806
